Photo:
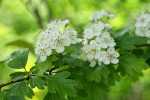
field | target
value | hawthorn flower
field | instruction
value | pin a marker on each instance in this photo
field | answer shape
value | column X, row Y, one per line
column 91, row 52
column 55, row 37
column 94, row 50
column 143, row 25
column 59, row 42
column 43, row 50
column 110, row 56
column 93, row 62
column 143, row 20
column 98, row 15
column 95, row 30
column 105, row 40
column 56, row 25
column 98, row 45
column 72, row 34
column 140, row 31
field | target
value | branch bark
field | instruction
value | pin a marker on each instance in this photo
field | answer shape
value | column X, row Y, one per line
column 11, row 82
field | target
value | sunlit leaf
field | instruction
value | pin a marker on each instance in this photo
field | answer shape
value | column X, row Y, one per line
column 38, row 82
column 131, row 64
column 52, row 96
column 44, row 66
column 19, row 59
column 60, row 84
column 21, row 89
column 5, row 59
column 130, row 42
column 18, row 75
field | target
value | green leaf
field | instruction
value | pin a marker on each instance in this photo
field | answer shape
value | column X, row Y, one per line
column 130, row 42
column 58, row 83
column 74, row 62
column 19, row 59
column 52, row 96
column 10, row 97
column 21, row 89
column 36, row 81
column 113, row 76
column 105, row 71
column 97, row 73
column 2, row 94
column 5, row 59
column 18, row 75
column 131, row 64
column 93, row 74
column 44, row 66
column 96, row 91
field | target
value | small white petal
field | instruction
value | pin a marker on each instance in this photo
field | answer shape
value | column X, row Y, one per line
column 43, row 57
column 90, row 56
column 114, row 61
column 106, row 61
column 48, row 51
column 59, row 49
column 92, row 63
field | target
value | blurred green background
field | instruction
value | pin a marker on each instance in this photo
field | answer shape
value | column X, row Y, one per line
column 22, row 20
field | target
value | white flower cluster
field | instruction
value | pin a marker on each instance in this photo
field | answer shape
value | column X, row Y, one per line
column 98, row 15
column 143, row 25
column 98, row 45
column 56, row 37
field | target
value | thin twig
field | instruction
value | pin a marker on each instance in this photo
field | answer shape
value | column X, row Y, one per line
column 143, row 45
column 11, row 82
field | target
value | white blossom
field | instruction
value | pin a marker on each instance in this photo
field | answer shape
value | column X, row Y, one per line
column 93, row 30
column 105, row 40
column 55, row 37
column 92, row 62
column 59, row 42
column 100, row 14
column 72, row 35
column 94, row 50
column 43, row 50
column 56, row 25
column 110, row 56
column 143, row 20
column 143, row 25
column 98, row 45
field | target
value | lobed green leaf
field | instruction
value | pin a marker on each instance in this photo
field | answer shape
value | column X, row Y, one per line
column 21, row 89
column 36, row 81
column 19, row 59
column 58, row 83
column 18, row 75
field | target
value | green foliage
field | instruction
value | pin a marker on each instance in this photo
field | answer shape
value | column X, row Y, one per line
column 13, row 98
column 52, row 96
column 4, row 59
column 129, row 42
column 58, row 83
column 19, row 59
column 96, row 74
column 38, row 82
column 21, row 89
column 42, row 67
column 131, row 65
column 18, row 75
column 66, row 76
